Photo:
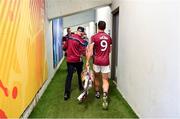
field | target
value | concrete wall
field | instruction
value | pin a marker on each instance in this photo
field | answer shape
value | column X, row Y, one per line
column 74, row 27
column 104, row 13
column 178, row 57
column 79, row 18
column 149, row 56
column 57, row 8
column 92, row 29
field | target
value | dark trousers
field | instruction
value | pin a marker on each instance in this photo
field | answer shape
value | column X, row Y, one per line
column 70, row 69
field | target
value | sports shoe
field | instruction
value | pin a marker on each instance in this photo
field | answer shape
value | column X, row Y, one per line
column 74, row 70
column 97, row 95
column 105, row 102
column 66, row 96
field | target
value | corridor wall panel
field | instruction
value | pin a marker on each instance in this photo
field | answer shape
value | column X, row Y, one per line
column 57, row 28
column 149, row 56
column 23, row 66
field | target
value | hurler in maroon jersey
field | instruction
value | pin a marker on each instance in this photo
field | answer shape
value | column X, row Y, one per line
column 100, row 48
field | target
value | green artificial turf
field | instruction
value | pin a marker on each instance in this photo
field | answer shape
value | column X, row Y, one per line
column 52, row 104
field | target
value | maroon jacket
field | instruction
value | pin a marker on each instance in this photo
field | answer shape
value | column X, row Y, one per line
column 75, row 47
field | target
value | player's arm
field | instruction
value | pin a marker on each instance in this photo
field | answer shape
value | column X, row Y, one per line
column 110, row 48
column 89, row 53
column 110, row 45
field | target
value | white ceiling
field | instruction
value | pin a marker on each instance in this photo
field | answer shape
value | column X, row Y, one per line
column 58, row 8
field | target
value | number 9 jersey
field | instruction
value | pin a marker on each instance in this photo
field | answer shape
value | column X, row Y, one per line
column 102, row 45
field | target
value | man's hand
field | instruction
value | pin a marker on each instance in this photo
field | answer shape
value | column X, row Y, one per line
column 89, row 53
column 87, row 65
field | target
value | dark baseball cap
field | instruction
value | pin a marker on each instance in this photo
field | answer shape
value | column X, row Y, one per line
column 80, row 28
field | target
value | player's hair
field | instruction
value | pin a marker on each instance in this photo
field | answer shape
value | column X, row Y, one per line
column 68, row 29
column 81, row 29
column 101, row 25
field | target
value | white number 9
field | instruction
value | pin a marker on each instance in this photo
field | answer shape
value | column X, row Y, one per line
column 103, row 45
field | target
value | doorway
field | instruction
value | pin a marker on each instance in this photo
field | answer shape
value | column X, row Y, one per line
column 115, row 32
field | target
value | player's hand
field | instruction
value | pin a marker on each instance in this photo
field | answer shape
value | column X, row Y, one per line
column 87, row 65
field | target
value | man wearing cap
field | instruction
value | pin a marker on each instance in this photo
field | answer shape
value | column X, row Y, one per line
column 75, row 47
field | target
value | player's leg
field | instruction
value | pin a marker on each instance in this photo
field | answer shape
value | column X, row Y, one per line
column 68, row 81
column 105, row 79
column 79, row 67
column 96, row 80
column 97, row 84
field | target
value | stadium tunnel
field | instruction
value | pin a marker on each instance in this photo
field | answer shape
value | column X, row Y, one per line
column 144, row 61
